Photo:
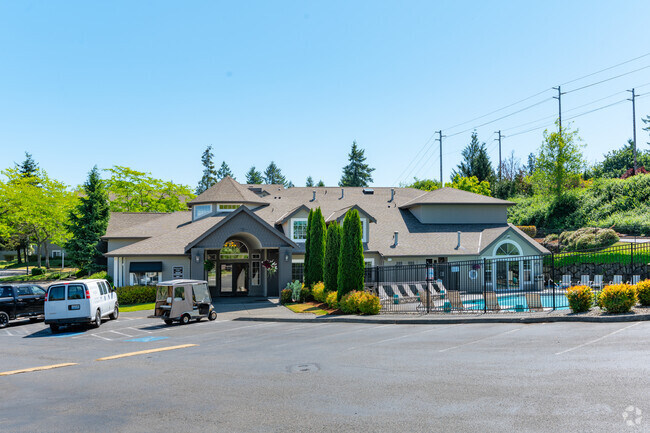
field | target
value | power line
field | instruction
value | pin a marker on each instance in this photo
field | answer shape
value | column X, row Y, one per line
column 608, row 79
column 415, row 158
column 606, row 69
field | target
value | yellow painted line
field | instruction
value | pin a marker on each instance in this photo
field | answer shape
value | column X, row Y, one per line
column 29, row 370
column 144, row 352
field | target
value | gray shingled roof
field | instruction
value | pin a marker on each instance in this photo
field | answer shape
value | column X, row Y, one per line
column 453, row 196
column 228, row 190
column 170, row 234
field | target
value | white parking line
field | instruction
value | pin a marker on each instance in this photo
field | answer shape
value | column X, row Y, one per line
column 479, row 340
column 9, row 333
column 121, row 333
column 99, row 336
column 598, row 339
column 141, row 330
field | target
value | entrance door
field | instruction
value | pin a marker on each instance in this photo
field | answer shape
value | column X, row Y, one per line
column 508, row 275
column 234, row 279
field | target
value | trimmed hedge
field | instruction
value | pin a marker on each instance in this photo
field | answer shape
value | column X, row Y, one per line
column 581, row 298
column 38, row 271
column 332, row 251
column 360, row 302
column 529, row 230
column 643, row 292
column 135, row 294
column 285, row 296
column 318, row 292
column 617, row 298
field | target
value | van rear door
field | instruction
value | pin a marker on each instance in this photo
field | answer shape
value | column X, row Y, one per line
column 56, row 306
column 76, row 304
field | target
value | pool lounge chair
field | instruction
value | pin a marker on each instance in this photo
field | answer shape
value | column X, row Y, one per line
column 455, row 300
column 598, row 282
column 426, row 302
column 492, row 302
column 534, row 301
column 566, row 281
column 635, row 279
column 585, row 280
column 618, row 279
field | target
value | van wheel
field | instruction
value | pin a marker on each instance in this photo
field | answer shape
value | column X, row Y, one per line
column 98, row 320
column 212, row 315
column 54, row 328
column 4, row 319
column 185, row 319
column 115, row 314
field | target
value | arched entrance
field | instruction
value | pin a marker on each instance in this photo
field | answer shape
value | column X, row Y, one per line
column 508, row 265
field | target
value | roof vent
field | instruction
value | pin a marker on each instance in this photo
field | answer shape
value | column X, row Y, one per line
column 392, row 194
column 342, row 193
column 396, row 239
column 368, row 191
column 458, row 246
column 314, row 196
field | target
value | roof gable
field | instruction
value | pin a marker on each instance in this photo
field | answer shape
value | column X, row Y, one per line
column 449, row 195
column 228, row 190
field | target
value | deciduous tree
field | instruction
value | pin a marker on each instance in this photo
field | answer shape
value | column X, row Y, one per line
column 559, row 161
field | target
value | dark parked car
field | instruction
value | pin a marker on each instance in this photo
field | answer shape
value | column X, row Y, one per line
column 18, row 301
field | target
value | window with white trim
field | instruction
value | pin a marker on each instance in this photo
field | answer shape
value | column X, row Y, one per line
column 145, row 278
column 255, row 274
column 202, row 210
column 299, row 229
column 364, row 229
column 56, row 253
column 228, row 207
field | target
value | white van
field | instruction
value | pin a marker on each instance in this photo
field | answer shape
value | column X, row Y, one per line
column 80, row 301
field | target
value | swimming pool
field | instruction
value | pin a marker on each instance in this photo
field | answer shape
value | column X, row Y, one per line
column 512, row 302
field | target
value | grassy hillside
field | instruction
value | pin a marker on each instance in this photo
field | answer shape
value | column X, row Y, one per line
column 623, row 205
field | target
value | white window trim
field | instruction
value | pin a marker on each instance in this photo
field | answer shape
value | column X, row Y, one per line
column 195, row 210
column 364, row 229
column 297, row 220
column 371, row 260
column 220, row 209
column 297, row 260
column 507, row 241
column 54, row 252
column 259, row 273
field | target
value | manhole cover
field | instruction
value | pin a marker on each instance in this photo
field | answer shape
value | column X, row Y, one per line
column 303, row 368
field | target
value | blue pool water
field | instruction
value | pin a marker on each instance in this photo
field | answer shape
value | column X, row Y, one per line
column 510, row 302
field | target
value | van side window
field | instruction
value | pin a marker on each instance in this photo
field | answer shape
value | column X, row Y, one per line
column 76, row 292
column 102, row 288
column 57, row 293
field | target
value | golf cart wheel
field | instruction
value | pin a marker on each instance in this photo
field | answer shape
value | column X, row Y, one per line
column 115, row 314
column 4, row 319
column 198, row 319
column 185, row 319
column 212, row 315
column 54, row 328
column 98, row 319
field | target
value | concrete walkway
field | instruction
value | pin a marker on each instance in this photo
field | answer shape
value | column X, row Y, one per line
column 258, row 308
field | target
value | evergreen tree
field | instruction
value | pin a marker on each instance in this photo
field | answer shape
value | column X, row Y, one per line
column 273, row 175
column 310, row 182
column 29, row 167
column 476, row 162
column 316, row 247
column 306, row 268
column 530, row 167
column 320, row 183
column 209, row 173
column 356, row 173
column 87, row 224
column 351, row 265
column 224, row 171
column 254, row 177
column 332, row 251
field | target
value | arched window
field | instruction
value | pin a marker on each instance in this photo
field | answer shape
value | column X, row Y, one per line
column 508, row 249
column 234, row 250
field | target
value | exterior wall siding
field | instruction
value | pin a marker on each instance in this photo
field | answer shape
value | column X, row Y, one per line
column 460, row 214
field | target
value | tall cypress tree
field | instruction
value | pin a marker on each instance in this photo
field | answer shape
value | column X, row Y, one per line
column 316, row 247
column 306, row 271
column 332, row 250
column 351, row 265
column 87, row 224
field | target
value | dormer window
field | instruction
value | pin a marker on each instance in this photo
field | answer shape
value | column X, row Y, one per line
column 227, row 207
column 202, row 210
column 299, row 229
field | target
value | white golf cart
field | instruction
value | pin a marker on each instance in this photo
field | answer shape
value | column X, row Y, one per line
column 183, row 300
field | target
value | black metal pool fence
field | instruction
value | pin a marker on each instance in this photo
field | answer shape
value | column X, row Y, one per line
column 508, row 283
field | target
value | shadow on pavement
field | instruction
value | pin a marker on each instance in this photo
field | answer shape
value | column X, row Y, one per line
column 229, row 305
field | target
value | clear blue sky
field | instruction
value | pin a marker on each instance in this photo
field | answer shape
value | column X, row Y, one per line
column 149, row 84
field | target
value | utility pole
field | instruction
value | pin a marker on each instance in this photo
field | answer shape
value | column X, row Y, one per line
column 633, row 126
column 559, row 101
column 500, row 136
column 440, row 140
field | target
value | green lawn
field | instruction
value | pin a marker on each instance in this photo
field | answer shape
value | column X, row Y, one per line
column 137, row 307
column 13, row 264
column 47, row 276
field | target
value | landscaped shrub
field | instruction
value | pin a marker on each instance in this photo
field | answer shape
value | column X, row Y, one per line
column 551, row 238
column 285, row 296
column 351, row 265
column 349, row 303
column 581, row 298
column 305, row 295
column 588, row 238
column 332, row 251
column 136, row 294
column 101, row 275
column 332, row 300
column 318, row 292
column 295, row 287
column 369, row 304
column 38, row 271
column 317, row 230
column 617, row 298
column 529, row 230
column 643, row 292
column 80, row 273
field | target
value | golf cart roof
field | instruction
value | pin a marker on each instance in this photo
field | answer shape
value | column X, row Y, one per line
column 175, row 283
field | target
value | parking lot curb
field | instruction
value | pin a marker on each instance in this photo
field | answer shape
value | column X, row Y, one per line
column 452, row 320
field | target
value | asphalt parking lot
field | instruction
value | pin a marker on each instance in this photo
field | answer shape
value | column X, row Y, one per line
column 136, row 374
